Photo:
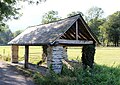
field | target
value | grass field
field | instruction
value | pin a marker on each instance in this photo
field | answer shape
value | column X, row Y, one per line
column 109, row 56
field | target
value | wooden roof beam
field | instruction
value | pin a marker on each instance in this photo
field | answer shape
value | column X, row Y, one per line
column 74, row 42
column 67, row 35
column 83, row 37
column 83, row 34
column 76, row 30
column 63, row 37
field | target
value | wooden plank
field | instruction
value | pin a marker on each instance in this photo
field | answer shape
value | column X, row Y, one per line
column 68, row 36
column 26, row 56
column 76, row 30
column 63, row 37
column 82, row 36
column 74, row 42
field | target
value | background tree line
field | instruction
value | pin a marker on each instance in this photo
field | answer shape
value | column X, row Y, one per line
column 6, row 35
column 106, row 29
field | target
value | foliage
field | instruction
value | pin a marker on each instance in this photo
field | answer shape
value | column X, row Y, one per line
column 16, row 33
column 113, row 28
column 107, row 30
column 103, row 35
column 94, row 13
column 95, row 24
column 50, row 17
column 94, row 20
column 88, row 52
column 5, row 58
column 102, row 75
column 8, row 10
column 75, row 13
column 5, row 35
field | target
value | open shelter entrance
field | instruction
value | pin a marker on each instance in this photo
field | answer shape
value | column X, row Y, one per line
column 56, row 36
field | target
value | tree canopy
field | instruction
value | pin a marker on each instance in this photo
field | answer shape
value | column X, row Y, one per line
column 8, row 10
column 113, row 28
column 75, row 13
column 50, row 16
column 6, row 35
column 94, row 19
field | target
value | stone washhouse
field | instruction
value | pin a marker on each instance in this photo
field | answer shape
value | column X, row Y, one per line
column 71, row 31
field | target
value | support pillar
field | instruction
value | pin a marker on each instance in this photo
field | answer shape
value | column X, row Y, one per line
column 26, row 56
column 54, row 58
column 14, row 57
column 65, row 56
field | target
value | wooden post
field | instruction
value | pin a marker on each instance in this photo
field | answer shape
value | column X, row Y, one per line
column 14, row 57
column 76, row 30
column 26, row 56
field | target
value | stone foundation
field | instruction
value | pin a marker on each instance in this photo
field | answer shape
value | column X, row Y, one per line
column 14, row 57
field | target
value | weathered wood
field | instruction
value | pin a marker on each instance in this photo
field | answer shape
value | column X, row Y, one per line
column 67, row 35
column 83, row 37
column 14, row 57
column 74, row 42
column 26, row 56
column 76, row 30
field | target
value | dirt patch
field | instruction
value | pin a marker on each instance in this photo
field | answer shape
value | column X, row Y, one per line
column 10, row 75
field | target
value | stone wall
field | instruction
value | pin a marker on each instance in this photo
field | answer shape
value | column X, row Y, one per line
column 54, row 58
column 14, row 57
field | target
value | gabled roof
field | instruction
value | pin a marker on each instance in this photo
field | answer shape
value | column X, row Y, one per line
column 49, row 33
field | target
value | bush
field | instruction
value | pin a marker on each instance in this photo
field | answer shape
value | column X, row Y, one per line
column 101, row 75
column 5, row 58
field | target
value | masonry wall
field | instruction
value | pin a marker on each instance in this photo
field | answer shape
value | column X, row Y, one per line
column 54, row 58
column 14, row 56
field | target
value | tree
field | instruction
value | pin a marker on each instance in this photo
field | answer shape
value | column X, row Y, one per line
column 75, row 13
column 5, row 36
column 94, row 19
column 94, row 13
column 113, row 28
column 50, row 17
column 16, row 33
column 9, row 9
column 103, row 37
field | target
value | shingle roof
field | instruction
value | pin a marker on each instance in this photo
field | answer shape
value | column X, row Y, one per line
column 45, row 33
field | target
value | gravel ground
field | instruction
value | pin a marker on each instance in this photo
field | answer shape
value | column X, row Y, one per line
column 9, row 76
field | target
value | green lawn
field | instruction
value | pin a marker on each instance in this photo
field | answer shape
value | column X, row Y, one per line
column 104, row 55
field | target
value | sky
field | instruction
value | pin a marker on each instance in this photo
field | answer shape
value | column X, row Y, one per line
column 32, row 14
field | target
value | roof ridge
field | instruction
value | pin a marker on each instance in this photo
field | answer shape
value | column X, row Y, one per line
column 54, row 21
